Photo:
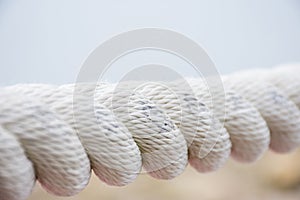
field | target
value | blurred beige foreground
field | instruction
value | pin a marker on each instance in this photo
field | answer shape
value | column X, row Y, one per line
column 274, row 177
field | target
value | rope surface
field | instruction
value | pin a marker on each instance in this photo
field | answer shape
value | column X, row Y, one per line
column 49, row 134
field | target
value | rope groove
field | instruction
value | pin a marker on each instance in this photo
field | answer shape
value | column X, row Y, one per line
column 48, row 134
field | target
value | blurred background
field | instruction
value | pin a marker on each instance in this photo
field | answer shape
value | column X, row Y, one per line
column 47, row 41
column 274, row 177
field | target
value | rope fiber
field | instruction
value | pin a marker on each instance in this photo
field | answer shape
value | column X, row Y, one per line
column 49, row 134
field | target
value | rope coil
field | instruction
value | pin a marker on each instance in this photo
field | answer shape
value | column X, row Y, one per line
column 46, row 135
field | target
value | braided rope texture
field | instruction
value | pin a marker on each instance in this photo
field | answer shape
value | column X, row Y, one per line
column 47, row 134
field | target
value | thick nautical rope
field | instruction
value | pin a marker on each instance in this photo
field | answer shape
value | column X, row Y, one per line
column 46, row 135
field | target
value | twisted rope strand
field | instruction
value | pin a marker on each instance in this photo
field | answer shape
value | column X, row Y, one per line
column 49, row 134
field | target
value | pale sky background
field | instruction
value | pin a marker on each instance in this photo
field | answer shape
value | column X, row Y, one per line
column 47, row 41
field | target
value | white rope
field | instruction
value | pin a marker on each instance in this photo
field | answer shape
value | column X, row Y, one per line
column 47, row 133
